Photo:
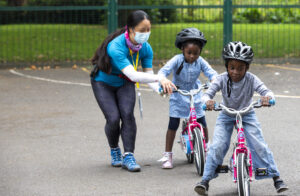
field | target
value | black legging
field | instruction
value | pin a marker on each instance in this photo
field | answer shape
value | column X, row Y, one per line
column 174, row 123
column 117, row 103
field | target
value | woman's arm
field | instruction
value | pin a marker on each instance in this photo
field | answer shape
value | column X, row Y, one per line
column 153, row 85
column 140, row 76
column 148, row 78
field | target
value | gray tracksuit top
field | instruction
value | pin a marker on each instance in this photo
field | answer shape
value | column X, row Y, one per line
column 241, row 92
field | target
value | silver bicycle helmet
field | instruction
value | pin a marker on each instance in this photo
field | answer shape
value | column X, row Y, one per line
column 189, row 34
column 239, row 51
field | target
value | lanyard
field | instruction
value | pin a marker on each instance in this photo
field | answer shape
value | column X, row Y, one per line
column 135, row 65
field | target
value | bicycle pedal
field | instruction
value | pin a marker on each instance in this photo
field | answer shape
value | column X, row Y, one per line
column 222, row 169
column 261, row 172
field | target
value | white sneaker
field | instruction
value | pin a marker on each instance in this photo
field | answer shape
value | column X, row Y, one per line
column 167, row 162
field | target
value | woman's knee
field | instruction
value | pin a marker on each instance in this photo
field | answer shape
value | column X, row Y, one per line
column 113, row 120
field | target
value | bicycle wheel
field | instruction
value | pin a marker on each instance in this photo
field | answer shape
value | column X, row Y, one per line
column 190, row 158
column 199, row 151
column 243, row 179
column 189, row 154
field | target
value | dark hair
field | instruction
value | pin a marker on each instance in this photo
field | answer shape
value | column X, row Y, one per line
column 196, row 42
column 227, row 62
column 100, row 59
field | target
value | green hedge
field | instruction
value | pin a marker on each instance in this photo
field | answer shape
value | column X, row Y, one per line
column 240, row 15
column 42, row 43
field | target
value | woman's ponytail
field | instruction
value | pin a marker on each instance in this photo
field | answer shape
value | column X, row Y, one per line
column 100, row 59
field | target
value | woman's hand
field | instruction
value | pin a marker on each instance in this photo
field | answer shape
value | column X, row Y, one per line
column 210, row 105
column 265, row 101
column 167, row 85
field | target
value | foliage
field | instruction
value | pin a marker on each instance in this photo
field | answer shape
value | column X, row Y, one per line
column 58, row 16
column 240, row 15
column 272, row 15
column 72, row 42
column 251, row 15
column 157, row 15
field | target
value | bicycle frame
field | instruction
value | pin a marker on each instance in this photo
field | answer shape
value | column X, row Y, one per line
column 191, row 125
column 241, row 147
column 241, row 159
column 192, row 122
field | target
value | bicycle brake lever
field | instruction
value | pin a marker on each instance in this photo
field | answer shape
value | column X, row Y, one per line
column 258, row 104
column 206, row 85
column 217, row 107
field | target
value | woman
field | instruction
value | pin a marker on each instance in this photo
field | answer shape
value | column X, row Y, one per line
column 113, row 78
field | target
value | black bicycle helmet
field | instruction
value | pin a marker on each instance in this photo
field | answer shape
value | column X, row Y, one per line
column 189, row 34
column 239, row 51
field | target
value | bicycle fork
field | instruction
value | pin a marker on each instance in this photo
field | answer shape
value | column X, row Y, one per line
column 240, row 147
column 233, row 162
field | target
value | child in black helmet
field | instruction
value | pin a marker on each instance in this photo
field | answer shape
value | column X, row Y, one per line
column 237, row 86
column 186, row 68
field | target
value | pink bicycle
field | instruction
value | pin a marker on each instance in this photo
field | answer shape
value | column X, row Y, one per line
column 240, row 163
column 192, row 137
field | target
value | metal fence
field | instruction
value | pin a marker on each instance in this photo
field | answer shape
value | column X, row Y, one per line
column 61, row 32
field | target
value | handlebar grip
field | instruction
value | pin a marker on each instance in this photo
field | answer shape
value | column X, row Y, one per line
column 160, row 90
column 204, row 107
column 272, row 101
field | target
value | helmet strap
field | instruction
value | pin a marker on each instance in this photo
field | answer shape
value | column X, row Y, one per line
column 229, row 85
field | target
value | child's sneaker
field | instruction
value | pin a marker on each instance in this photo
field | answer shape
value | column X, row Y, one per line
column 129, row 163
column 280, row 186
column 116, row 157
column 202, row 187
column 167, row 161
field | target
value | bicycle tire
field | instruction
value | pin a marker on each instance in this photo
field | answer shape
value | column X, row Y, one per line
column 189, row 154
column 190, row 158
column 199, row 152
column 243, row 179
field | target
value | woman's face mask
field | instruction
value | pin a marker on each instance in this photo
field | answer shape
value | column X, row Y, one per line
column 141, row 38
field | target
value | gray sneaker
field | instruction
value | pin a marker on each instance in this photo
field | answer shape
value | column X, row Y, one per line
column 202, row 187
column 280, row 186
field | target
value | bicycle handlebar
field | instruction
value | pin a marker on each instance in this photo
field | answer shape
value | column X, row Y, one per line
column 193, row 91
column 255, row 104
column 188, row 93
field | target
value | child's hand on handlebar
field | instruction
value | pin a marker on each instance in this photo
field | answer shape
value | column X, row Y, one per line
column 265, row 100
column 210, row 105
column 162, row 93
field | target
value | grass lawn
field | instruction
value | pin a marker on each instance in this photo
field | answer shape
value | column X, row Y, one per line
column 60, row 42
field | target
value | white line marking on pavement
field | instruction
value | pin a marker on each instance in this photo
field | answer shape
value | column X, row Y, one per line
column 282, row 67
column 86, row 84
column 57, row 81
column 48, row 80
